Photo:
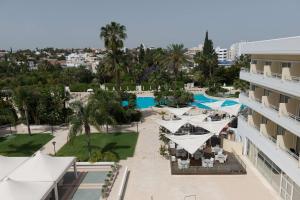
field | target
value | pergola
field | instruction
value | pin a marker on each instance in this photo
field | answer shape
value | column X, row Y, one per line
column 9, row 164
column 190, row 143
column 11, row 189
column 179, row 111
column 30, row 171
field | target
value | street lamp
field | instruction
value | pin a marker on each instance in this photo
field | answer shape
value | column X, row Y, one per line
column 54, row 147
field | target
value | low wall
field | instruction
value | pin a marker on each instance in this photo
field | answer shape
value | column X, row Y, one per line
column 231, row 146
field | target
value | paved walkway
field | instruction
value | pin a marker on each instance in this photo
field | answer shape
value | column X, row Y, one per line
column 150, row 177
column 60, row 138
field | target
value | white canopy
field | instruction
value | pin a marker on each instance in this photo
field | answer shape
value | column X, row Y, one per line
column 178, row 111
column 172, row 125
column 214, row 105
column 214, row 126
column 8, row 164
column 190, row 143
column 231, row 110
column 15, row 190
column 194, row 119
column 42, row 167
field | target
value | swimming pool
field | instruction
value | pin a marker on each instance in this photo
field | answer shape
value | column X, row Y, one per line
column 199, row 99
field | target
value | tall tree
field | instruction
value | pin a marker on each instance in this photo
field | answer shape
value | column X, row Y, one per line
column 114, row 35
column 175, row 58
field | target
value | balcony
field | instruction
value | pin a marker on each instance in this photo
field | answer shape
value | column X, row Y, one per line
column 288, row 85
column 282, row 158
column 277, row 115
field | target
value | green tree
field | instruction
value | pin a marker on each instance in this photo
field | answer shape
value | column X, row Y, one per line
column 114, row 35
column 175, row 58
column 7, row 113
column 83, row 117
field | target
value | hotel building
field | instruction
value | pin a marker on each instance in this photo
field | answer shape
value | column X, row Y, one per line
column 270, row 130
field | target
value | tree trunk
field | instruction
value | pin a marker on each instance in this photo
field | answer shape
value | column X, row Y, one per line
column 88, row 134
column 106, row 127
column 27, row 120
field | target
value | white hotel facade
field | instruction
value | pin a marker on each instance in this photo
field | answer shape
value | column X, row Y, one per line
column 271, row 129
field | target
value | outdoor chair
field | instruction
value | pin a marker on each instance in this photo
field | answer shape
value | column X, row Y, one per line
column 173, row 158
column 179, row 164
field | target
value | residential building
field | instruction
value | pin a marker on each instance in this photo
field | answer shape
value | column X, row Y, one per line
column 192, row 51
column 74, row 60
column 270, row 130
column 221, row 53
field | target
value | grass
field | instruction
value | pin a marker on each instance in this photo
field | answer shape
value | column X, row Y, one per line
column 23, row 144
column 121, row 144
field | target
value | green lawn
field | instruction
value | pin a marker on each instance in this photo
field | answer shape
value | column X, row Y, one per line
column 121, row 144
column 22, row 144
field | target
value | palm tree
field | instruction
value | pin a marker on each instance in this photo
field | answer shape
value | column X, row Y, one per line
column 82, row 118
column 114, row 35
column 22, row 99
column 103, row 103
column 175, row 58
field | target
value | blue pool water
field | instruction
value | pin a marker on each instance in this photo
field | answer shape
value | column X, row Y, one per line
column 147, row 102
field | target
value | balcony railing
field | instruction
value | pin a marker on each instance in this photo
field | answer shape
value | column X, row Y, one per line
column 276, row 75
column 259, row 72
column 272, row 139
column 295, row 78
column 245, row 69
column 273, row 107
column 273, row 75
column 294, row 117
column 291, row 154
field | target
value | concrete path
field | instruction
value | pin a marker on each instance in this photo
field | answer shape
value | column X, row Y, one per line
column 60, row 138
column 150, row 177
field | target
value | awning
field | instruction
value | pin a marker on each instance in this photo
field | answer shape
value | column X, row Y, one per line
column 214, row 127
column 9, row 164
column 178, row 111
column 172, row 125
column 13, row 190
column 194, row 120
column 214, row 105
column 231, row 110
column 190, row 143
column 42, row 167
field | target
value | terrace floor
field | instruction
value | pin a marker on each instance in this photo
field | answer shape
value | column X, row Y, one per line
column 150, row 176
column 232, row 166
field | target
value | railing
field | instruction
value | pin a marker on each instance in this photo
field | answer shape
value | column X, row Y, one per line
column 274, row 107
column 259, row 72
column 295, row 78
column 272, row 139
column 245, row 69
column 257, row 99
column 294, row 117
column 276, row 75
column 291, row 154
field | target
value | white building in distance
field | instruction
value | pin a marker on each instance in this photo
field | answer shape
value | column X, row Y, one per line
column 221, row 53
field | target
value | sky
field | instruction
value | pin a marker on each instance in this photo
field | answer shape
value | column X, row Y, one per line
column 76, row 23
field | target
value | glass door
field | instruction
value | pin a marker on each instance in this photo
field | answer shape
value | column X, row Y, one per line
column 286, row 189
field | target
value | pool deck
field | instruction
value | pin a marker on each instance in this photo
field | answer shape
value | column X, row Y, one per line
column 150, row 176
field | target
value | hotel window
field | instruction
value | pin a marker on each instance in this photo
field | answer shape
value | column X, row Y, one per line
column 284, row 99
column 264, row 120
column 252, row 88
column 280, row 130
column 286, row 64
column 268, row 63
column 254, row 62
